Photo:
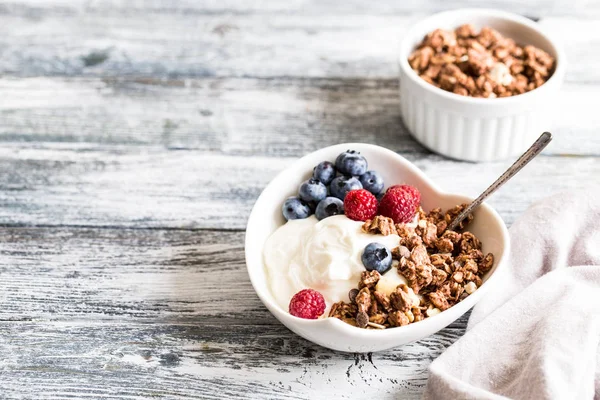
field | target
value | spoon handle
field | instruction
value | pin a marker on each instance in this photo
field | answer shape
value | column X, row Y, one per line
column 533, row 151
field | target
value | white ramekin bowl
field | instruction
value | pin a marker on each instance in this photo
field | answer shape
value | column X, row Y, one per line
column 477, row 129
column 331, row 332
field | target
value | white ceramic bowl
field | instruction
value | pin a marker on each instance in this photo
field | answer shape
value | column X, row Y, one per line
column 478, row 129
column 331, row 332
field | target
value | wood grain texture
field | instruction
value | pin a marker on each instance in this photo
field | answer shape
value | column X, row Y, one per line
column 89, row 359
column 299, row 7
column 146, row 154
column 240, row 117
column 135, row 137
column 160, row 40
column 129, row 313
column 114, row 186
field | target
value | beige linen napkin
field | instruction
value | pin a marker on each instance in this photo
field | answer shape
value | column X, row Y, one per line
column 536, row 334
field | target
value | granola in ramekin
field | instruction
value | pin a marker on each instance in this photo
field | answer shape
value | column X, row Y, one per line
column 480, row 63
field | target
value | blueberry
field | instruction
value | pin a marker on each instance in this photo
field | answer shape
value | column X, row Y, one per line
column 295, row 208
column 372, row 181
column 342, row 185
column 351, row 162
column 377, row 257
column 312, row 190
column 325, row 172
column 328, row 207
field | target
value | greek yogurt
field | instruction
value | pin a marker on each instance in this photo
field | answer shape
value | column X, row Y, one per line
column 322, row 255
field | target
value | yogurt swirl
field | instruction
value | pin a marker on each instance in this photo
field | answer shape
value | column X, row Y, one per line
column 322, row 255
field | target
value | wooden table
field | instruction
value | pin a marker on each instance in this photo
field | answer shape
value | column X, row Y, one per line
column 136, row 137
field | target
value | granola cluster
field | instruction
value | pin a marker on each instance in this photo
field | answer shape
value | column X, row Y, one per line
column 480, row 64
column 372, row 309
column 440, row 265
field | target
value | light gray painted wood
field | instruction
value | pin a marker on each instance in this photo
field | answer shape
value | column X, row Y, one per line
column 241, row 117
column 82, row 151
column 115, row 39
column 116, row 186
column 122, row 313
column 300, row 7
column 135, row 137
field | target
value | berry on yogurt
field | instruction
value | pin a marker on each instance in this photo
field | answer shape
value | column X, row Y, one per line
column 307, row 304
column 372, row 181
column 341, row 185
column 400, row 203
column 324, row 172
column 360, row 205
column 295, row 208
column 377, row 257
column 312, row 190
column 328, row 207
column 351, row 163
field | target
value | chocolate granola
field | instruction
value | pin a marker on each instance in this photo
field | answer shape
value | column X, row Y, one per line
column 442, row 266
column 480, row 64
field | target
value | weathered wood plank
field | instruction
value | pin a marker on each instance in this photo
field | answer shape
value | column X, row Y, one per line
column 297, row 7
column 115, row 39
column 241, row 117
column 174, row 44
column 238, row 117
column 139, row 313
column 148, row 187
column 132, row 360
column 134, row 274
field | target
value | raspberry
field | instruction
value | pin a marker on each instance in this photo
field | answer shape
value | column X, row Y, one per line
column 400, row 203
column 307, row 304
column 360, row 205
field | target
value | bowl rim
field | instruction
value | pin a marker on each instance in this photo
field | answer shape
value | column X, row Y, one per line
column 406, row 47
column 430, row 323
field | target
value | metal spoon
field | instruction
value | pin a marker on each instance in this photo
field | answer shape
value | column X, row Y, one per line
column 535, row 149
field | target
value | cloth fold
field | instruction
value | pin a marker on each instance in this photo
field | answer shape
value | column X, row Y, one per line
column 536, row 333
